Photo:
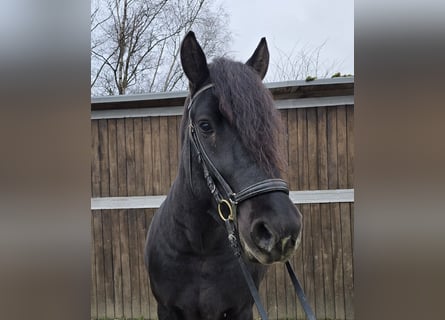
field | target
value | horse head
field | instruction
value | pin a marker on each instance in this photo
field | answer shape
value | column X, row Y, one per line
column 233, row 119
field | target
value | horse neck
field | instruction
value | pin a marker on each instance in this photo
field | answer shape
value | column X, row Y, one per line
column 190, row 197
column 191, row 209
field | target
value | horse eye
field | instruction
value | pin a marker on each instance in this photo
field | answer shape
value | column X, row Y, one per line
column 205, row 127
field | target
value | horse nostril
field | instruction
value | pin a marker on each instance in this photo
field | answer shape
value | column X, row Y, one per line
column 263, row 236
column 288, row 244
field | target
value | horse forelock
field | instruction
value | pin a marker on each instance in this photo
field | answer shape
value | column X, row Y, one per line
column 248, row 106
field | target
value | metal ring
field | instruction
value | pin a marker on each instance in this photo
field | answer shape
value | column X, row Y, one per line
column 229, row 206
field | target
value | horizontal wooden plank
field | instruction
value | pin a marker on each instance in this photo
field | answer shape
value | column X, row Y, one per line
column 316, row 82
column 178, row 110
column 137, row 202
column 153, row 202
column 137, row 113
column 318, row 102
column 322, row 196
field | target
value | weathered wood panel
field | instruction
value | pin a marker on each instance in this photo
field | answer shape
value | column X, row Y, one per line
column 330, row 300
column 139, row 156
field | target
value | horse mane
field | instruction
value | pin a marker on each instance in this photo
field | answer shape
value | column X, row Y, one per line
column 249, row 107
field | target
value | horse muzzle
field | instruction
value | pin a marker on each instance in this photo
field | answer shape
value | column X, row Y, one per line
column 269, row 240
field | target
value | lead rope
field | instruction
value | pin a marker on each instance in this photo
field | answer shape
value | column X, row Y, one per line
column 299, row 290
column 233, row 240
column 234, row 244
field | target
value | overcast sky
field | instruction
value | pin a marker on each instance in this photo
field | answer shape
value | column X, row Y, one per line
column 292, row 23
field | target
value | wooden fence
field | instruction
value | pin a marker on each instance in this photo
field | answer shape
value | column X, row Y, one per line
column 135, row 153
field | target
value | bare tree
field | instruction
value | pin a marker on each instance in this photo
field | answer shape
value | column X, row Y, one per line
column 301, row 62
column 135, row 43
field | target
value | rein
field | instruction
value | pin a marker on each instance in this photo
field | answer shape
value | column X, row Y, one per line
column 228, row 201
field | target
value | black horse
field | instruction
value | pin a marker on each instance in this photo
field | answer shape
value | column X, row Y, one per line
column 230, row 113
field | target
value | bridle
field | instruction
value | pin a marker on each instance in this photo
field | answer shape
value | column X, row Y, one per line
column 223, row 193
column 227, row 201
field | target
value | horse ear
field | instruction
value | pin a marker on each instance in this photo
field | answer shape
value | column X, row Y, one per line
column 260, row 58
column 193, row 61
